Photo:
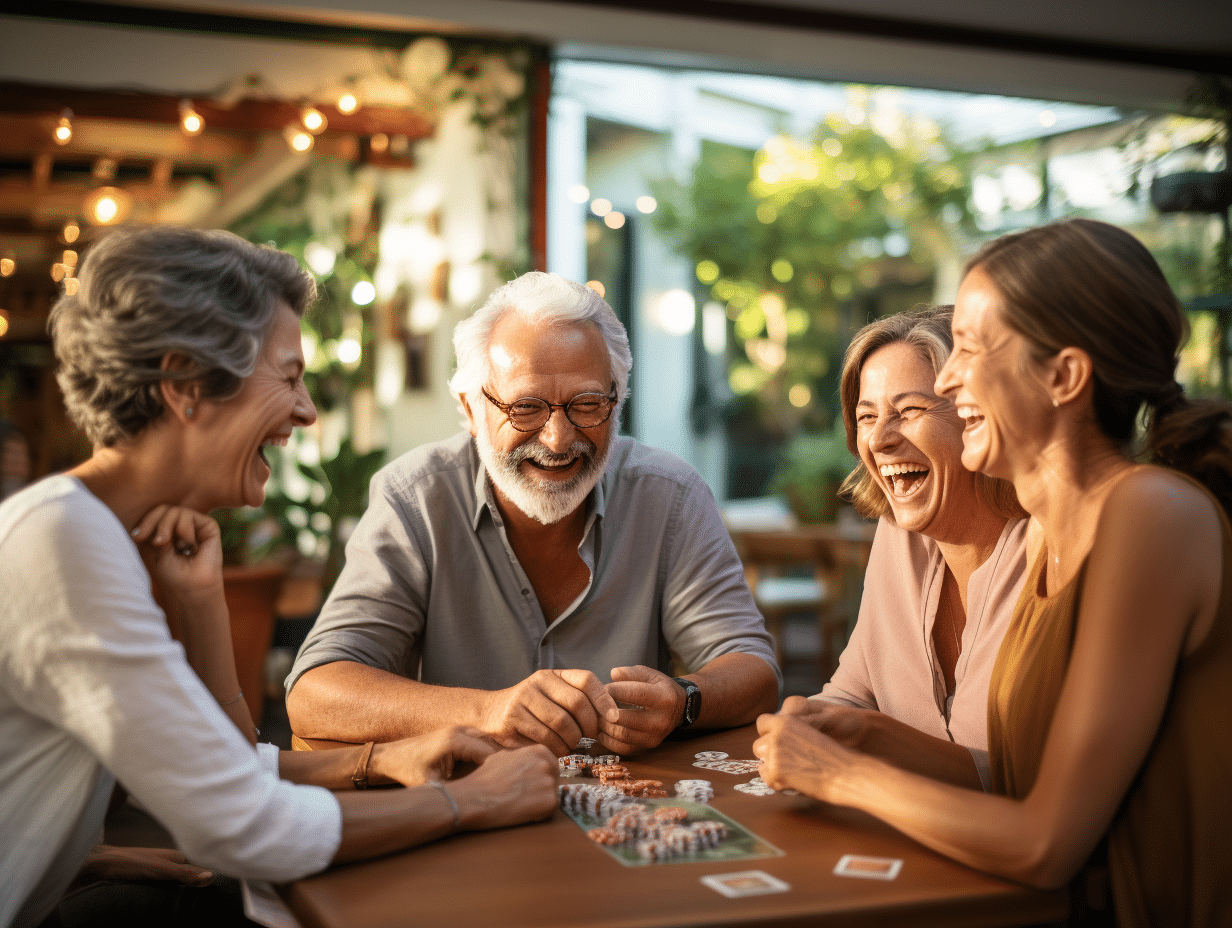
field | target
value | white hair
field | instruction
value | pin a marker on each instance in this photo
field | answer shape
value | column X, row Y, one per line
column 546, row 299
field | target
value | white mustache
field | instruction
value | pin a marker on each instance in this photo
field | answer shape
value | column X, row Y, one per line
column 539, row 453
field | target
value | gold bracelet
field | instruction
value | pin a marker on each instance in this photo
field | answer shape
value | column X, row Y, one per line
column 457, row 816
column 360, row 776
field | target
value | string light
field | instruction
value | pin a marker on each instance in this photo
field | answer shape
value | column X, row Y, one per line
column 64, row 128
column 7, row 265
column 190, row 120
column 106, row 206
column 71, row 285
column 313, row 119
column 298, row 139
column 71, row 231
column 4, row 323
column 379, row 143
column 57, row 272
column 70, row 258
column 347, row 103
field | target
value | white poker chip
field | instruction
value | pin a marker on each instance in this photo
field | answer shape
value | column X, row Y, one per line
column 692, row 782
column 710, row 755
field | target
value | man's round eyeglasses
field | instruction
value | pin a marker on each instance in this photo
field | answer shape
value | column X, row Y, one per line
column 529, row 414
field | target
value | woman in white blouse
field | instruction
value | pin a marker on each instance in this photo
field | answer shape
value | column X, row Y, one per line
column 180, row 357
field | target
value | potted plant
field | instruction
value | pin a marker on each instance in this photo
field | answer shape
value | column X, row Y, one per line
column 811, row 467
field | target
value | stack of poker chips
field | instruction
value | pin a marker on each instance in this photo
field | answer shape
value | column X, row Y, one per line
column 596, row 801
column 660, row 835
column 694, row 790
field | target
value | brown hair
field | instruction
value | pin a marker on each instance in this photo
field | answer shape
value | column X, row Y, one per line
column 927, row 330
column 1093, row 286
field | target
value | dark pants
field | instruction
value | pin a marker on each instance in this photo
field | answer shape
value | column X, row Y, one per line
column 154, row 904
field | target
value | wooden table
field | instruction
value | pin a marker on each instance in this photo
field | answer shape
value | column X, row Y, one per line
column 549, row 874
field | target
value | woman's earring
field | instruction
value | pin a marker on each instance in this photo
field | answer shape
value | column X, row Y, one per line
column 1055, row 404
column 189, row 410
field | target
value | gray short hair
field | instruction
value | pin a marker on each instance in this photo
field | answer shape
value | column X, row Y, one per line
column 148, row 292
column 547, row 299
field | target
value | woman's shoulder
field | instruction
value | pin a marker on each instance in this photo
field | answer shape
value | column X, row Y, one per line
column 56, row 512
column 1161, row 497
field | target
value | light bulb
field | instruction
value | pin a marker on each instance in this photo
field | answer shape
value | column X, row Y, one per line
column 64, row 128
column 313, row 119
column 347, row 103
column 297, row 138
column 190, row 120
column 71, row 231
column 7, row 267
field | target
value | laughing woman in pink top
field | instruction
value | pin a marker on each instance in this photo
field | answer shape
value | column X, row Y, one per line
column 946, row 568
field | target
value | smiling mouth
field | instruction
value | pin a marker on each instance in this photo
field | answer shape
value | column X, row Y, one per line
column 905, row 479
column 552, row 468
column 970, row 415
column 279, row 440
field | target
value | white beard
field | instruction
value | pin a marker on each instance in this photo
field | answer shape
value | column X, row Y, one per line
column 544, row 501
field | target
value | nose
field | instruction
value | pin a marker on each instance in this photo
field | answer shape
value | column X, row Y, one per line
column 884, row 433
column 947, row 379
column 305, row 411
column 558, row 433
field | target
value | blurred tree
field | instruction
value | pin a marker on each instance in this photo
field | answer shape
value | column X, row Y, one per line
column 803, row 243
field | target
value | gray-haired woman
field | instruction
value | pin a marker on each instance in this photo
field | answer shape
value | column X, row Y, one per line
column 180, row 357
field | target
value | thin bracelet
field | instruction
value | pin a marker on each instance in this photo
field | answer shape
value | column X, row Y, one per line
column 360, row 777
column 457, row 816
column 233, row 701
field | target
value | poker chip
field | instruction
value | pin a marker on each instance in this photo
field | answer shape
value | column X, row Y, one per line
column 574, row 762
column 605, row 759
column 754, row 789
column 656, row 835
column 710, row 755
column 673, row 814
column 586, row 745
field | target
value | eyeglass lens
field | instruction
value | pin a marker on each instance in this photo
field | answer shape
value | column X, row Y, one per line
column 586, row 410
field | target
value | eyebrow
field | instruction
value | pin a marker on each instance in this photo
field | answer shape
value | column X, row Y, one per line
column 899, row 397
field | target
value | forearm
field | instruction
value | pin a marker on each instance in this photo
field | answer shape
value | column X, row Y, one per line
column 991, row 833
column 736, row 688
column 391, row 820
column 911, row 749
column 203, row 627
column 348, row 701
column 334, row 768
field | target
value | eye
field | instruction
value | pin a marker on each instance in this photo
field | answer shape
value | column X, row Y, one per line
column 524, row 408
column 865, row 418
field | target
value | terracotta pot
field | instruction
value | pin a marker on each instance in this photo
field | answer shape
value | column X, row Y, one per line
column 252, row 592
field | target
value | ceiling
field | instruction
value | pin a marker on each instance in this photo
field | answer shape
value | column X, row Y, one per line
column 123, row 67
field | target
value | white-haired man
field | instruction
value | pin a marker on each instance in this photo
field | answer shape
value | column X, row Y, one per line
column 499, row 578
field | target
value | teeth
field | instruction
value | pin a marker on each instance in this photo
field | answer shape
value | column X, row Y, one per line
column 968, row 412
column 893, row 470
column 280, row 441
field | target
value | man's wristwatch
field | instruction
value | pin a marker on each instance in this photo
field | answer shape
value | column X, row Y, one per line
column 692, row 701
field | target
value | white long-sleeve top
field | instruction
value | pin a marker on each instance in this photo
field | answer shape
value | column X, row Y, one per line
column 93, row 686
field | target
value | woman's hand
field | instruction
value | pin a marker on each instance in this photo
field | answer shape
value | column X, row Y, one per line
column 797, row 756
column 509, row 788
column 182, row 550
column 845, row 724
column 135, row 864
column 433, row 756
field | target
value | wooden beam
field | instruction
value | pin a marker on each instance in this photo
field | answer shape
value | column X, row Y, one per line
column 21, row 134
column 248, row 115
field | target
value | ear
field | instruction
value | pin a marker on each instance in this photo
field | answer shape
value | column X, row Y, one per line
column 181, row 396
column 1070, row 372
column 470, row 416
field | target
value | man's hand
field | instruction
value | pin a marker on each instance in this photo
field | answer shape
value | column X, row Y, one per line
column 661, row 701
column 555, row 708
column 135, row 864
column 414, row 761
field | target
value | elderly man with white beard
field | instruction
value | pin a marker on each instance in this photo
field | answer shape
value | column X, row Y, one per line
column 537, row 577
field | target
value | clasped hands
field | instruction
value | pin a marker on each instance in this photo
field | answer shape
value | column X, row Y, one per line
column 558, row 708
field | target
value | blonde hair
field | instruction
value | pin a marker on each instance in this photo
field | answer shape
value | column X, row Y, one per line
column 927, row 330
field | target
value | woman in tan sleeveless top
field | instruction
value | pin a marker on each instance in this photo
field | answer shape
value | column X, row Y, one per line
column 1110, row 708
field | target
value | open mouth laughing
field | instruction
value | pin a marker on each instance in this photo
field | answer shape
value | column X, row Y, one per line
column 904, row 478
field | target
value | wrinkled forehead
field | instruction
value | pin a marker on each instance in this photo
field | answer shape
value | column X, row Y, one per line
column 522, row 348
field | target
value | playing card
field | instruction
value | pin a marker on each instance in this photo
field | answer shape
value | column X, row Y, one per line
column 868, row 868
column 745, row 883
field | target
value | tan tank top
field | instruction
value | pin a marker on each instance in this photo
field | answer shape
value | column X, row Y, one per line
column 1170, row 843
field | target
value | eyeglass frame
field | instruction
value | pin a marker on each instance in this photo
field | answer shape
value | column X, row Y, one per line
column 611, row 398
